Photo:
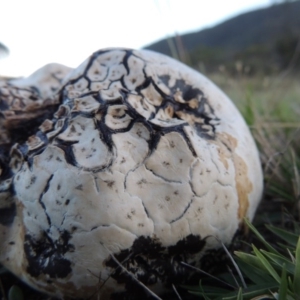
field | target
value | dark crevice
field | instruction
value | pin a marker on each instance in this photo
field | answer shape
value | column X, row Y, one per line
column 6, row 172
column 125, row 60
column 183, row 213
column 187, row 140
column 105, row 135
column 145, row 209
column 21, row 130
column 161, row 177
column 41, row 197
column 68, row 152
column 7, row 214
column 154, row 141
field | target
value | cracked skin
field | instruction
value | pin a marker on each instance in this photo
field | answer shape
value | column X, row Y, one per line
column 77, row 182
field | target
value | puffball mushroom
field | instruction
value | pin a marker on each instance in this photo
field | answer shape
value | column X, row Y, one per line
column 132, row 157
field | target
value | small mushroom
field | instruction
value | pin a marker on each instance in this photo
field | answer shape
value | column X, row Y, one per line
column 143, row 162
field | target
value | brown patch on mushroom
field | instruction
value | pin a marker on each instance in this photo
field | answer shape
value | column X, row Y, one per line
column 227, row 145
column 243, row 185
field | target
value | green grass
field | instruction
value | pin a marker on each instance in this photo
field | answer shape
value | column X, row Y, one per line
column 268, row 258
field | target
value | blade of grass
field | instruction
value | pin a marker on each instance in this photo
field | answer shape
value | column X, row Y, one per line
column 176, row 292
column 204, row 296
column 260, row 237
column 240, row 295
column 280, row 261
column 290, row 283
column 291, row 255
column 233, row 277
column 235, row 266
column 283, row 288
column 289, row 237
column 251, row 292
column 209, row 275
column 265, row 262
column 250, row 259
column 206, row 289
column 296, row 283
column 256, row 275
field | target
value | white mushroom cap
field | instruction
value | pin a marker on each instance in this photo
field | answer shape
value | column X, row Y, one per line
column 146, row 160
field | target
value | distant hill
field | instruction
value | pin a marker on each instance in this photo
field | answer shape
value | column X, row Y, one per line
column 3, row 50
column 271, row 33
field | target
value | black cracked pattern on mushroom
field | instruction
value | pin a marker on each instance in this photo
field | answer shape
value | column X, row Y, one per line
column 46, row 256
column 152, row 263
column 117, row 94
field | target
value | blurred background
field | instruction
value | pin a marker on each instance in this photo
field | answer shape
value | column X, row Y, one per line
column 250, row 36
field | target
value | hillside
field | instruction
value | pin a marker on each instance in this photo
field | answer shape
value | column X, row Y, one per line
column 271, row 33
column 3, row 50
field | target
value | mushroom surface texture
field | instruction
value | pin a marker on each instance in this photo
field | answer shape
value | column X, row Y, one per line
column 132, row 158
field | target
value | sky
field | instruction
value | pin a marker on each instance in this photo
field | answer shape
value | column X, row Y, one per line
column 68, row 31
